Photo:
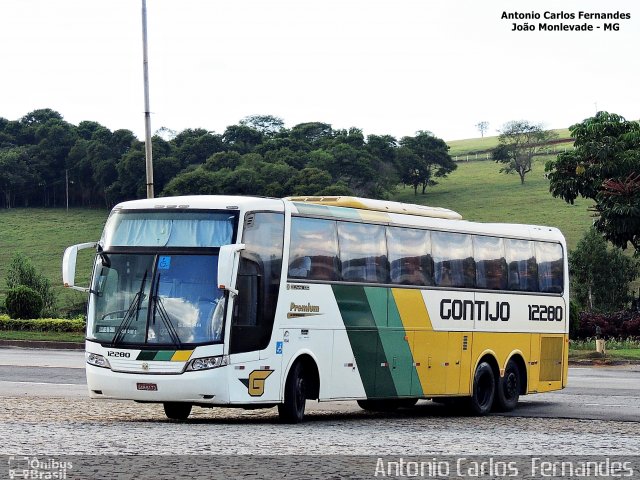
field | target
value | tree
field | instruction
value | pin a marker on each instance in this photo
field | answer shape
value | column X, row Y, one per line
column 266, row 124
column 600, row 277
column 14, row 173
column 605, row 167
column 518, row 142
column 422, row 159
column 482, row 126
column 241, row 138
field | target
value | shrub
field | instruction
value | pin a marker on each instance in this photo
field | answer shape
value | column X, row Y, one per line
column 22, row 272
column 617, row 324
column 23, row 302
column 43, row 324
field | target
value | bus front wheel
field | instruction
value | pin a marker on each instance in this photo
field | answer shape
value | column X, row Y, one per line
column 295, row 396
column 508, row 388
column 177, row 410
column 484, row 389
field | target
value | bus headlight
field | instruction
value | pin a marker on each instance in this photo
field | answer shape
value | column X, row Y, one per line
column 206, row 363
column 97, row 360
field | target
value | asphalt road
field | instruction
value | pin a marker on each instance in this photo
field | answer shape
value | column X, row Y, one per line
column 593, row 393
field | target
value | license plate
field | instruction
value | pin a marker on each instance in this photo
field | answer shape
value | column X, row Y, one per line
column 151, row 387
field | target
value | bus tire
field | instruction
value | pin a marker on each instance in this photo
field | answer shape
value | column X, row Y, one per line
column 295, row 396
column 508, row 388
column 484, row 389
column 177, row 410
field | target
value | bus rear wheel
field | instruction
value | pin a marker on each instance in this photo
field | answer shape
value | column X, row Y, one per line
column 177, row 410
column 508, row 388
column 484, row 389
column 295, row 396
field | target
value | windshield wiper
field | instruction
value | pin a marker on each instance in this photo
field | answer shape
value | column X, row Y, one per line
column 132, row 312
column 158, row 307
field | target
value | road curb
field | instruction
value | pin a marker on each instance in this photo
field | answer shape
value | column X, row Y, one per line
column 42, row 344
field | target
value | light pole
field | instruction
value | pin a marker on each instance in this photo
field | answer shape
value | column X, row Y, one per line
column 147, row 112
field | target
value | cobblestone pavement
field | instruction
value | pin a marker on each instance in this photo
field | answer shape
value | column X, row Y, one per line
column 77, row 426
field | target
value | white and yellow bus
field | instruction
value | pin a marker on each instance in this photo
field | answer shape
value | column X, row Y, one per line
column 256, row 302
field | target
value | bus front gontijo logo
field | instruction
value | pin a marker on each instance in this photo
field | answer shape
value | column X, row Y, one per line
column 255, row 382
column 296, row 311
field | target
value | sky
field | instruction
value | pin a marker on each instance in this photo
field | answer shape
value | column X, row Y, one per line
column 385, row 66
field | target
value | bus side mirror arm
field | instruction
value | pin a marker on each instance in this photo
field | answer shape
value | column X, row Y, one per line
column 69, row 265
column 226, row 264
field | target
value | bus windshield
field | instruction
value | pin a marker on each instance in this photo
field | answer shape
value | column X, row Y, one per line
column 156, row 299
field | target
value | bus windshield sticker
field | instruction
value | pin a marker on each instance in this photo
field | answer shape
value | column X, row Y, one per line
column 164, row 263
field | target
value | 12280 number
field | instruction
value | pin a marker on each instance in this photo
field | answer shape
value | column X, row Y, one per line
column 545, row 313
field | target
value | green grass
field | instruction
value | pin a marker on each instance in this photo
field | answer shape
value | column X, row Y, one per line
column 42, row 235
column 46, row 336
column 479, row 192
column 616, row 348
column 611, row 355
column 618, row 344
column 480, row 146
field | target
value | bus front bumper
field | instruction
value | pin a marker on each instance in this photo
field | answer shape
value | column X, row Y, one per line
column 203, row 387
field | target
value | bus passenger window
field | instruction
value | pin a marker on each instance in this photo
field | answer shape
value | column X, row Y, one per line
column 410, row 256
column 550, row 267
column 313, row 253
column 521, row 260
column 363, row 252
column 453, row 261
column 491, row 266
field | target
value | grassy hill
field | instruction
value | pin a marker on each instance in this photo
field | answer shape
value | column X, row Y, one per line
column 42, row 235
column 476, row 190
column 478, row 148
column 479, row 192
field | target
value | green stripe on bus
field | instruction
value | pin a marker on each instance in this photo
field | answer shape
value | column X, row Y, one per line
column 394, row 341
column 147, row 355
column 395, row 322
column 164, row 355
column 156, row 355
column 364, row 337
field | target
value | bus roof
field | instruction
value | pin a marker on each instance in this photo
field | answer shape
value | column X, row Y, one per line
column 354, row 208
column 380, row 206
column 204, row 202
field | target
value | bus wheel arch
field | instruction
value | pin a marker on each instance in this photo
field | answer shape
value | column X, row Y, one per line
column 483, row 389
column 302, row 383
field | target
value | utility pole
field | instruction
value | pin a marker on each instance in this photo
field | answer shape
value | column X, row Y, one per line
column 66, row 178
column 147, row 112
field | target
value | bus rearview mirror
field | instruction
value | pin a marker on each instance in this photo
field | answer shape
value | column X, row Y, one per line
column 226, row 266
column 69, row 265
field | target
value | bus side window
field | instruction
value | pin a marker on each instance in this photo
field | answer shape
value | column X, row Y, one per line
column 258, row 282
column 491, row 265
column 550, row 267
column 363, row 252
column 453, row 261
column 523, row 270
column 410, row 256
column 313, row 252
